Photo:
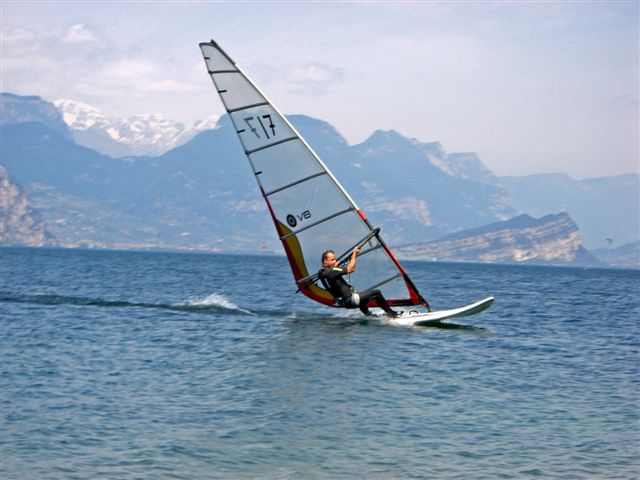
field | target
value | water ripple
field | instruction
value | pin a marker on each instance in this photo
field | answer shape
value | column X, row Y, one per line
column 145, row 365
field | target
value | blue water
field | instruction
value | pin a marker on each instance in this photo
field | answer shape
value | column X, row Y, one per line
column 125, row 365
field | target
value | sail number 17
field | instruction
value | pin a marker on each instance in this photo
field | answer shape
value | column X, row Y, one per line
column 250, row 123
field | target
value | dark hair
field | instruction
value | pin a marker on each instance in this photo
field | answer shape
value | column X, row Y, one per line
column 324, row 255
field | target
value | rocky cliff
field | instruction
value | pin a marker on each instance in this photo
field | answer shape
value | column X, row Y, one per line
column 553, row 239
column 20, row 223
column 604, row 208
column 16, row 109
column 624, row 256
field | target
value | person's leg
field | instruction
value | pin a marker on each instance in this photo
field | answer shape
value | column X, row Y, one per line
column 365, row 298
column 375, row 295
column 382, row 303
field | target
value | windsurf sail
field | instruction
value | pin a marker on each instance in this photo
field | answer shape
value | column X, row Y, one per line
column 311, row 211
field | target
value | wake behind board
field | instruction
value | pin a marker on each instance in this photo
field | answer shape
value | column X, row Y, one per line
column 410, row 319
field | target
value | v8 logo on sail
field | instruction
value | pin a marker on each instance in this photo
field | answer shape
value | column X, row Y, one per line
column 293, row 220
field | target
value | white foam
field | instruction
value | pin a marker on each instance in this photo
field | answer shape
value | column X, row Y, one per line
column 347, row 313
column 217, row 300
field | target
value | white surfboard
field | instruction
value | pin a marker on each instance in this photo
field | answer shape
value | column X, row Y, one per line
column 415, row 318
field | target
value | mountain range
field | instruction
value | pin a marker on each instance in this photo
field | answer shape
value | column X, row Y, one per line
column 200, row 195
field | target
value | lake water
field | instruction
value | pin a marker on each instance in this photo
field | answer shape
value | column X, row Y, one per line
column 124, row 365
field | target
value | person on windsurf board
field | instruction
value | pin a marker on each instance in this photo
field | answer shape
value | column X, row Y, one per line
column 331, row 275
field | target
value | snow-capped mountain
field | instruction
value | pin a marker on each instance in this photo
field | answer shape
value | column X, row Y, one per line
column 149, row 134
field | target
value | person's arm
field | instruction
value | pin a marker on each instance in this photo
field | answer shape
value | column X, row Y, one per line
column 352, row 263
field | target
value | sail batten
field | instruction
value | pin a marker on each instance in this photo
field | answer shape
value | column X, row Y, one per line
column 323, row 220
column 387, row 280
column 249, row 152
column 293, row 184
column 364, row 252
column 311, row 211
column 246, row 107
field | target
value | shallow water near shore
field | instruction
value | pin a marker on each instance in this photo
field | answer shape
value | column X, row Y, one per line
column 125, row 365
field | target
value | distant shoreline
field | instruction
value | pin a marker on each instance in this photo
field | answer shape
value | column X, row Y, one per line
column 273, row 254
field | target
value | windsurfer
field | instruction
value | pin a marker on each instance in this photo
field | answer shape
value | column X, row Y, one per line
column 331, row 276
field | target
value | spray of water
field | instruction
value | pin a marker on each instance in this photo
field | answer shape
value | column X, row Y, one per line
column 216, row 300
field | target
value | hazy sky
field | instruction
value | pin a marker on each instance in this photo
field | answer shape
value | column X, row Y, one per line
column 530, row 86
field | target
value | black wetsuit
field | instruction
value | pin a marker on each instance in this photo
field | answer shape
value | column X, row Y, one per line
column 343, row 293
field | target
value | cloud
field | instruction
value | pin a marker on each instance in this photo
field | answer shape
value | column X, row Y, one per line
column 79, row 33
column 77, row 63
column 139, row 76
column 313, row 78
column 128, row 70
column 12, row 36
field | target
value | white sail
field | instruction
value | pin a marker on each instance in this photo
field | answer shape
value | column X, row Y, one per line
column 310, row 209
